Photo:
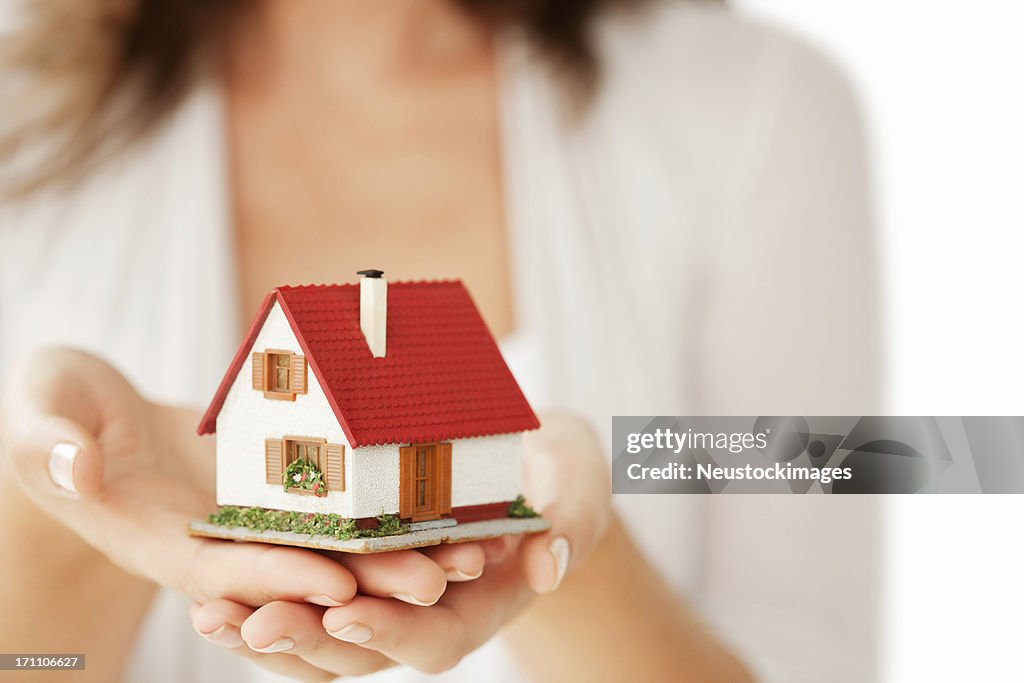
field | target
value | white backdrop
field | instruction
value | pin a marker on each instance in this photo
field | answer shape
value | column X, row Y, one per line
column 942, row 85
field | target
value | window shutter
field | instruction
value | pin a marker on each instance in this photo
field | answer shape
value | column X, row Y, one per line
column 275, row 461
column 405, row 487
column 335, row 470
column 259, row 362
column 298, row 374
column 444, row 452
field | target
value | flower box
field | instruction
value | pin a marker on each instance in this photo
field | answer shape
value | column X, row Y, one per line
column 300, row 491
column 304, row 478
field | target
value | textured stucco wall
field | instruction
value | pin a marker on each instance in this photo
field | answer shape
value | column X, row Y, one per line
column 375, row 481
column 486, row 469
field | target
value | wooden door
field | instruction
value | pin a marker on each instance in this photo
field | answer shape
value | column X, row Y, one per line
column 425, row 484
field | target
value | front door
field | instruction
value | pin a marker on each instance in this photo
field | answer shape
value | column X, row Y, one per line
column 424, row 477
column 426, row 469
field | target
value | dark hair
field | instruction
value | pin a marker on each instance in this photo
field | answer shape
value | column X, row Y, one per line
column 109, row 70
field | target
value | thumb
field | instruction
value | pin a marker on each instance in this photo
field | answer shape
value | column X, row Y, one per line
column 54, row 455
column 567, row 469
column 46, row 427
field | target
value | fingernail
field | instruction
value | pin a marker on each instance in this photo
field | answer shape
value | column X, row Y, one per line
column 456, row 575
column 324, row 601
column 62, row 465
column 353, row 633
column 280, row 645
column 560, row 551
column 226, row 636
column 413, row 600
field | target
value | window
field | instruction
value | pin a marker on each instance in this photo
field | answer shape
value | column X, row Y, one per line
column 423, row 458
column 309, row 451
column 279, row 374
column 280, row 365
column 327, row 458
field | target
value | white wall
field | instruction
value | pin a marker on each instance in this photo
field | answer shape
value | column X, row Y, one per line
column 247, row 419
column 484, row 470
column 375, row 481
column 940, row 83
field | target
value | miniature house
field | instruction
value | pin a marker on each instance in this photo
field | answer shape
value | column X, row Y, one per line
column 368, row 399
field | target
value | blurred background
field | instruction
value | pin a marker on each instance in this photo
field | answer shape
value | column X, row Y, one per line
column 940, row 87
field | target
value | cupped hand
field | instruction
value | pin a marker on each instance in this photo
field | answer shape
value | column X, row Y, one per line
column 128, row 476
column 566, row 477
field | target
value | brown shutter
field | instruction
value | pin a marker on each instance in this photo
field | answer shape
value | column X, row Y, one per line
column 275, row 461
column 259, row 362
column 405, row 487
column 298, row 375
column 335, row 470
column 444, row 452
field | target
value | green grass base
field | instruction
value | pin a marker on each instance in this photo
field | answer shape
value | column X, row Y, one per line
column 311, row 523
column 326, row 524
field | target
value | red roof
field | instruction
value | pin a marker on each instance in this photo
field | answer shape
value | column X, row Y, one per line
column 443, row 376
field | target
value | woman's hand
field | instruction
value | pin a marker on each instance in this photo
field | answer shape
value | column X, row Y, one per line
column 128, row 476
column 566, row 477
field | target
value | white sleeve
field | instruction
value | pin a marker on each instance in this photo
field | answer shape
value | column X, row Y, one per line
column 792, row 328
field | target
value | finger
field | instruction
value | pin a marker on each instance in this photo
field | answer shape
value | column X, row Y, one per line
column 498, row 550
column 460, row 561
column 546, row 561
column 429, row 640
column 54, row 457
column 406, row 575
column 569, row 480
column 220, row 623
column 298, row 630
column 436, row 639
column 51, row 419
column 255, row 574
column 52, row 452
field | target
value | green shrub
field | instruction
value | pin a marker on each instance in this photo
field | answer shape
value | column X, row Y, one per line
column 519, row 508
column 387, row 525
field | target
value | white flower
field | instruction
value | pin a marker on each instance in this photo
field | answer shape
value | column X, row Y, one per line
column 296, row 478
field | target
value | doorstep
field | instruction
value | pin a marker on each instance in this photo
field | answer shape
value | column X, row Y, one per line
column 430, row 524
column 421, row 538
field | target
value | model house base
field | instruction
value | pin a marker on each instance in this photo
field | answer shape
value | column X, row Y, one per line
column 420, row 538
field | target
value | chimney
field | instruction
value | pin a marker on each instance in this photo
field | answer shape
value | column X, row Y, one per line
column 373, row 310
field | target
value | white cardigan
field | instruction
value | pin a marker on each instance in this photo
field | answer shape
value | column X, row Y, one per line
column 700, row 244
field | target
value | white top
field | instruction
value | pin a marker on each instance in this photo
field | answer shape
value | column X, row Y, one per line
column 700, row 245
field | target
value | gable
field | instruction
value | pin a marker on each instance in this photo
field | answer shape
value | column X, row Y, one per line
column 271, row 313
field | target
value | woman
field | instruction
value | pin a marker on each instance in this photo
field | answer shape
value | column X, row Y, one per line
column 658, row 211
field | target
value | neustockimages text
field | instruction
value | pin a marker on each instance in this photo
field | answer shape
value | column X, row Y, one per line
column 825, row 475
